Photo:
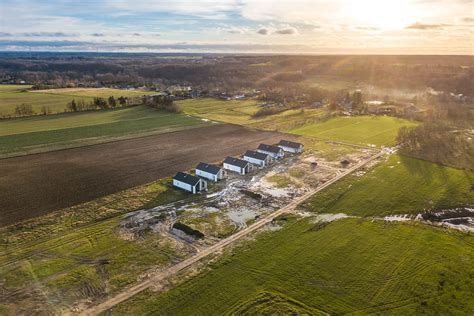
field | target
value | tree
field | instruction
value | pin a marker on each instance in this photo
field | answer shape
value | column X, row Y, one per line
column 24, row 110
column 112, row 102
column 100, row 103
column 45, row 110
column 72, row 106
column 122, row 100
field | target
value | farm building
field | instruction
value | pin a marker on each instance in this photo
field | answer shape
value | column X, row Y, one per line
column 189, row 182
column 256, row 158
column 211, row 172
column 290, row 146
column 273, row 151
column 238, row 165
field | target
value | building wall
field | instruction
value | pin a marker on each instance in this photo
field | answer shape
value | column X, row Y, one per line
column 273, row 155
column 255, row 161
column 183, row 186
column 290, row 149
column 234, row 168
column 206, row 175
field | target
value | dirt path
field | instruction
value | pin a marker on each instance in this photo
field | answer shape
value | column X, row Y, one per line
column 218, row 247
column 35, row 185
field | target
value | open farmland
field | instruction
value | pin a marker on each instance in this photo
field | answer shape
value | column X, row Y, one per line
column 298, row 270
column 56, row 99
column 241, row 112
column 401, row 185
column 364, row 130
column 82, row 174
column 43, row 133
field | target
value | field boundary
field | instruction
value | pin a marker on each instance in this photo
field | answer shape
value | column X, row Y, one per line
column 92, row 141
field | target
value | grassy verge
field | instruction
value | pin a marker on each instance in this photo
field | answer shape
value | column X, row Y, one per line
column 398, row 186
column 387, row 268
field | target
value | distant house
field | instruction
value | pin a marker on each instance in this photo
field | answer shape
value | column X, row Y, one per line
column 292, row 147
column 274, row 151
column 237, row 165
column 211, row 172
column 189, row 182
column 256, row 158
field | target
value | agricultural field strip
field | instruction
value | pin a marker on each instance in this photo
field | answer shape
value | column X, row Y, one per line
column 218, row 246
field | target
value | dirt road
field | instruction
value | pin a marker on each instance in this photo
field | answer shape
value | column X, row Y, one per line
column 37, row 184
column 130, row 292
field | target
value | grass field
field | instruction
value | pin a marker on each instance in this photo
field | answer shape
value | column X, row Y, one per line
column 14, row 87
column 78, row 253
column 241, row 111
column 22, row 134
column 56, row 99
column 348, row 266
column 400, row 185
column 364, row 130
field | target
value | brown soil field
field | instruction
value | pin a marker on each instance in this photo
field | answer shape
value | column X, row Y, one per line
column 35, row 185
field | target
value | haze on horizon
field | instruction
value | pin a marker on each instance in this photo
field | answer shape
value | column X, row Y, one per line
column 240, row 26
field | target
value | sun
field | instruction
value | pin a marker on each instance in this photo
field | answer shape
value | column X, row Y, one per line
column 383, row 14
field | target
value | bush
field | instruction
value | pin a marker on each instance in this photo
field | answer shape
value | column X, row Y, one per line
column 271, row 110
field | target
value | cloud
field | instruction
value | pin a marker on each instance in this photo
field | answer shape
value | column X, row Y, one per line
column 5, row 34
column 287, row 31
column 46, row 34
column 98, row 34
column 367, row 28
column 423, row 26
column 468, row 19
column 137, row 34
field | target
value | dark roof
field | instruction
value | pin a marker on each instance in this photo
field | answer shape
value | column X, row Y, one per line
column 290, row 144
column 236, row 162
column 187, row 178
column 208, row 168
column 269, row 148
column 255, row 155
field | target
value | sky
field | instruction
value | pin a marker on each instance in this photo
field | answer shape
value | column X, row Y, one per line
column 239, row 26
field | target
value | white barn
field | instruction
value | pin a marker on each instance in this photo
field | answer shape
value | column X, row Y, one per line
column 189, row 182
column 211, row 172
column 256, row 158
column 274, row 151
column 237, row 165
column 290, row 146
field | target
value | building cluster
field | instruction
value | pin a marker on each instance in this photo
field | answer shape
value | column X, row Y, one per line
column 262, row 157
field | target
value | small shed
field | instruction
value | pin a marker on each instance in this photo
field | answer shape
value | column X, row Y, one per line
column 292, row 147
column 256, row 158
column 210, row 172
column 237, row 165
column 189, row 182
column 274, row 151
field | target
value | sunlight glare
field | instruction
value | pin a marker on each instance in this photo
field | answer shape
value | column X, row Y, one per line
column 383, row 14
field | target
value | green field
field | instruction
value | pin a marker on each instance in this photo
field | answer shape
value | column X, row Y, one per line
column 24, row 134
column 400, row 185
column 79, row 253
column 364, row 130
column 241, row 111
column 56, row 99
column 13, row 87
column 348, row 266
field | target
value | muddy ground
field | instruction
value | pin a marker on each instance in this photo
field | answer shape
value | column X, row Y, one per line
column 236, row 202
column 37, row 184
